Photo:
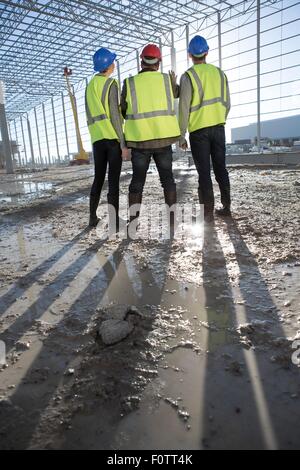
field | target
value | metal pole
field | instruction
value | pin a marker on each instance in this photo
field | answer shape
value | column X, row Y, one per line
column 55, row 129
column 46, row 133
column 10, row 142
column 17, row 139
column 220, row 39
column 258, row 77
column 119, row 74
column 187, row 39
column 160, row 46
column 173, row 53
column 137, row 60
column 25, row 152
column 65, row 123
column 173, row 67
column 9, row 133
column 38, row 136
column 4, row 133
column 30, row 140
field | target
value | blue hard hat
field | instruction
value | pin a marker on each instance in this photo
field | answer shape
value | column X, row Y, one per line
column 198, row 46
column 103, row 58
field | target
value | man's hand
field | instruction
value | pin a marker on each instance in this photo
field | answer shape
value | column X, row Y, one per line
column 173, row 77
column 183, row 144
column 126, row 154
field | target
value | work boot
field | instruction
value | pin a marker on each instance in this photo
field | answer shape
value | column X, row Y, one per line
column 226, row 201
column 225, row 197
column 94, row 202
column 209, row 212
column 170, row 200
column 113, row 213
column 223, row 212
column 208, row 206
column 134, row 198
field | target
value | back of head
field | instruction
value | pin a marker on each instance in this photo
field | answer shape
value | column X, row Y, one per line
column 151, row 57
column 198, row 48
column 103, row 59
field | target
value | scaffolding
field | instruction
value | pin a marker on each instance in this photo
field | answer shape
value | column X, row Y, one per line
column 254, row 41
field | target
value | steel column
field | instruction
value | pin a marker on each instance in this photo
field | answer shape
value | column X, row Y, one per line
column 38, row 136
column 258, row 77
column 24, row 146
column 119, row 74
column 65, row 123
column 55, row 129
column 17, row 139
column 187, row 40
column 30, row 140
column 4, row 132
column 220, row 39
column 46, row 133
column 162, row 59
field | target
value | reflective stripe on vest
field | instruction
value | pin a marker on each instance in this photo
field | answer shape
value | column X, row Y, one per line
column 149, row 114
column 92, row 119
column 220, row 99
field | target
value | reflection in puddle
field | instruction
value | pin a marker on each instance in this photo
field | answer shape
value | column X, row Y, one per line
column 15, row 191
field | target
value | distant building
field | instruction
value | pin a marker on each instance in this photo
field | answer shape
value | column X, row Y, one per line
column 296, row 145
column 282, row 131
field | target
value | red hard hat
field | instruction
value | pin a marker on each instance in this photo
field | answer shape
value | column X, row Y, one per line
column 151, row 50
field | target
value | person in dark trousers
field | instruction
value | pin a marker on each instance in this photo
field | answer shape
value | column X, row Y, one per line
column 105, row 127
column 151, row 126
column 203, row 108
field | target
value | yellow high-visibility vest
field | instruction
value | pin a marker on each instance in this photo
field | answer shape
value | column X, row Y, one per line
column 211, row 100
column 150, row 108
column 97, row 108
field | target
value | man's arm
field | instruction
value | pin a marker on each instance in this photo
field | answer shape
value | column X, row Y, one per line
column 115, row 116
column 228, row 97
column 184, row 106
column 175, row 87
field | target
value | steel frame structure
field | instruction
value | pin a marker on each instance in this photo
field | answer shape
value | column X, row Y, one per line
column 39, row 38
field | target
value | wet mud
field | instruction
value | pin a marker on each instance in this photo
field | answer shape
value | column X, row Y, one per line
column 201, row 333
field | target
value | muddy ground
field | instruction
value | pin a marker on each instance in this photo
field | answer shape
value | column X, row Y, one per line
column 211, row 361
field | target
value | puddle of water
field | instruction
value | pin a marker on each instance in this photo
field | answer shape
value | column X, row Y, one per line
column 5, row 198
column 15, row 191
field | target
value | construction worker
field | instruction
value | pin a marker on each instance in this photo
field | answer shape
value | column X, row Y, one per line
column 105, row 127
column 203, row 108
column 151, row 126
